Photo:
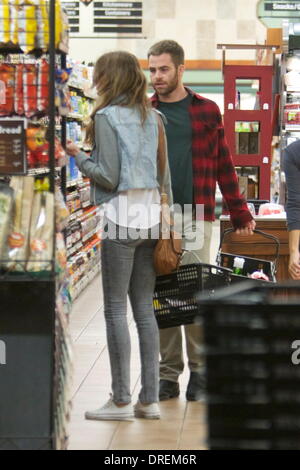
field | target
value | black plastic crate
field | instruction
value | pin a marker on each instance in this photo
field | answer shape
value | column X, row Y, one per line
column 252, row 383
column 175, row 294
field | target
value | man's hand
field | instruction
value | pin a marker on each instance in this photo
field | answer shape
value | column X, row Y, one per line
column 247, row 230
column 72, row 148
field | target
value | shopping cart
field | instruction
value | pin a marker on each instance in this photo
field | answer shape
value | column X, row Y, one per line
column 175, row 294
column 251, row 337
column 251, row 264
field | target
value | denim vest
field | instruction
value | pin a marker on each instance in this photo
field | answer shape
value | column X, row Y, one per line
column 137, row 145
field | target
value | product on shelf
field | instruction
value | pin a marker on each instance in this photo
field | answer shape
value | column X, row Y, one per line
column 17, row 240
column 24, row 88
column 6, row 202
column 62, row 98
column 60, row 256
column 19, row 92
column 84, row 266
column 41, row 232
column 7, row 89
column 24, row 24
column 61, row 211
column 270, row 209
column 42, row 85
column 38, row 147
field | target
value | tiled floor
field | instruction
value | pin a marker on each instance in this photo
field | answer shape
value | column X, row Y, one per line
column 182, row 424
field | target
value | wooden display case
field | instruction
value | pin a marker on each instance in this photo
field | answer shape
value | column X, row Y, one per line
column 257, row 246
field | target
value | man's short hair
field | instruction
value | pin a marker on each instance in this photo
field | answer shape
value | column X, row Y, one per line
column 168, row 46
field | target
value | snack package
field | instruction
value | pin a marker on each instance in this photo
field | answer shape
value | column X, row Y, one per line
column 43, row 25
column 5, row 22
column 19, row 94
column 62, row 94
column 6, row 202
column 42, row 85
column 60, row 153
column 7, row 89
column 30, row 89
column 60, row 256
column 38, row 146
column 61, row 211
column 259, row 275
column 41, row 232
column 270, row 208
column 58, row 23
column 25, row 25
column 17, row 240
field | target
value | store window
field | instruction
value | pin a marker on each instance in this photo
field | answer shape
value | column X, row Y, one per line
column 247, row 136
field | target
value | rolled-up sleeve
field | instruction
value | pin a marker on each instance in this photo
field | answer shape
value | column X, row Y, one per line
column 103, row 166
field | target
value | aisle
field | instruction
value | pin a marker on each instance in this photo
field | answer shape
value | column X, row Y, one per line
column 182, row 424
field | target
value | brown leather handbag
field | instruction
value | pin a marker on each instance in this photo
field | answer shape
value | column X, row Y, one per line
column 168, row 250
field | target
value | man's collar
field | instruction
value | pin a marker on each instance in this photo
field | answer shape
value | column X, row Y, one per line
column 155, row 99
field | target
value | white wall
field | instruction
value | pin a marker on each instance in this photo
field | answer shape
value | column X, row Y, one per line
column 198, row 25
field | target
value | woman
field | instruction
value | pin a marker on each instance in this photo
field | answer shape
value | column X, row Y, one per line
column 291, row 166
column 125, row 176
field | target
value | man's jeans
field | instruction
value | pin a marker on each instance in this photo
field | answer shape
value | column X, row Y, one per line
column 127, row 268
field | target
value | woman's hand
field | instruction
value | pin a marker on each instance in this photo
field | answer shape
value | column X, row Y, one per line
column 294, row 266
column 72, row 149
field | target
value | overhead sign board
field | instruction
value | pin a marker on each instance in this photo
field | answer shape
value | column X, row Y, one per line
column 273, row 13
column 118, row 17
column 104, row 19
column 72, row 9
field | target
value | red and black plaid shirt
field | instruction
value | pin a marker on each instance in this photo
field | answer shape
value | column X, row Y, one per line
column 212, row 161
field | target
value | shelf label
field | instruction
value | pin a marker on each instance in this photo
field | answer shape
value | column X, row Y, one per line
column 12, row 147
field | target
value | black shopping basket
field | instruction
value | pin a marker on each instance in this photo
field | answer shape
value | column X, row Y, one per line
column 251, row 264
column 252, row 351
column 175, row 294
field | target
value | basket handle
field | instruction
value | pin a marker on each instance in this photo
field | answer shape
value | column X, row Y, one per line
column 260, row 232
column 221, row 268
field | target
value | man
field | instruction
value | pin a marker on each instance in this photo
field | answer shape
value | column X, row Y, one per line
column 199, row 158
column 291, row 165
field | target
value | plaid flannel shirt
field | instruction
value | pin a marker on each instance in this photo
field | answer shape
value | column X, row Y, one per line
column 212, row 161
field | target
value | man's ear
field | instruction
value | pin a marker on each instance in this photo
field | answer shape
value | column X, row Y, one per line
column 181, row 69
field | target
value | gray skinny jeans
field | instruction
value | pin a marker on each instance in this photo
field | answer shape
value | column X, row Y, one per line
column 127, row 268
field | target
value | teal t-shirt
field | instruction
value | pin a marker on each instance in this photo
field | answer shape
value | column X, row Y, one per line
column 179, row 137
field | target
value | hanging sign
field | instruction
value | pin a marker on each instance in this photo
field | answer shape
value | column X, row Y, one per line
column 72, row 10
column 118, row 17
column 86, row 2
column 12, row 147
column 273, row 13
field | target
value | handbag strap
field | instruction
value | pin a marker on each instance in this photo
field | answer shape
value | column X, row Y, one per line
column 162, row 155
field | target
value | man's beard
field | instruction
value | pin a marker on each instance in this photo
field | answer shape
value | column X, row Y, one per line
column 170, row 88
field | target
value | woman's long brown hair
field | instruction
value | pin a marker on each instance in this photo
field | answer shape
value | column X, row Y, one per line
column 118, row 74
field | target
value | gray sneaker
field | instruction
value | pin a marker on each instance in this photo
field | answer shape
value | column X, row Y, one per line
column 110, row 411
column 149, row 411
